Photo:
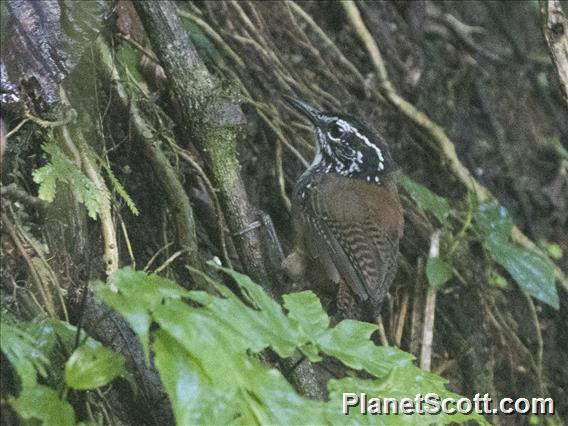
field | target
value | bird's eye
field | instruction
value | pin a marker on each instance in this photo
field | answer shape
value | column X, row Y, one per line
column 335, row 131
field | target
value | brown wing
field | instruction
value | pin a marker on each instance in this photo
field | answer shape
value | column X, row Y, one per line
column 364, row 257
column 355, row 234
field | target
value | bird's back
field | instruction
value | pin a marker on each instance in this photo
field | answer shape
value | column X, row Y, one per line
column 352, row 227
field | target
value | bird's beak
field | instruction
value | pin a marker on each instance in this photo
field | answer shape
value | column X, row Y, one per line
column 304, row 108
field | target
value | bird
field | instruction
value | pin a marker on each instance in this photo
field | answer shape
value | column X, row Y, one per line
column 346, row 213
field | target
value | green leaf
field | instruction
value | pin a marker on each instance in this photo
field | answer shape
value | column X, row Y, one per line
column 90, row 368
column 138, row 294
column 61, row 168
column 268, row 317
column 222, row 370
column 129, row 58
column 438, row 272
column 560, row 148
column 47, row 179
column 194, row 398
column 306, row 309
column 349, row 341
column 426, row 199
column 553, row 250
column 493, row 220
column 205, row 352
column 43, row 403
column 531, row 270
column 497, row 280
column 121, row 191
column 23, row 352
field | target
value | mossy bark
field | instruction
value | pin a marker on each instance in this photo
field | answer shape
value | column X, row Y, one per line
column 210, row 116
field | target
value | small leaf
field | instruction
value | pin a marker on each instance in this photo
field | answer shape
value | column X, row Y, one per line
column 129, row 58
column 92, row 367
column 46, row 178
column 531, row 270
column 426, row 199
column 43, row 403
column 560, row 148
column 554, row 251
column 121, row 191
column 498, row 281
column 438, row 272
column 62, row 168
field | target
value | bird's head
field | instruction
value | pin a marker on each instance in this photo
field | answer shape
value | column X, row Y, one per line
column 346, row 146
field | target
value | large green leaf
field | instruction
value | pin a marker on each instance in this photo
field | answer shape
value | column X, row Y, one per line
column 492, row 219
column 532, row 270
column 195, row 399
column 349, row 341
column 218, row 365
column 426, row 199
column 43, row 403
column 206, row 351
column 24, row 353
column 139, row 293
column 273, row 327
column 91, row 367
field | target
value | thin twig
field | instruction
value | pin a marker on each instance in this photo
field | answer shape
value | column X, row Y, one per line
column 127, row 241
column 429, row 310
column 539, row 341
column 328, row 43
column 401, row 320
column 285, row 141
column 15, row 129
column 46, row 298
column 416, row 315
column 213, row 35
column 280, row 175
column 110, row 255
column 155, row 256
column 382, row 334
column 139, row 47
column 168, row 261
column 185, row 155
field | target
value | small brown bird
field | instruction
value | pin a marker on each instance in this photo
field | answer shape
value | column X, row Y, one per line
column 347, row 214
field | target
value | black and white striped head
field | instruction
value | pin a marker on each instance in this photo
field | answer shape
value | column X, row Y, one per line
column 346, row 146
